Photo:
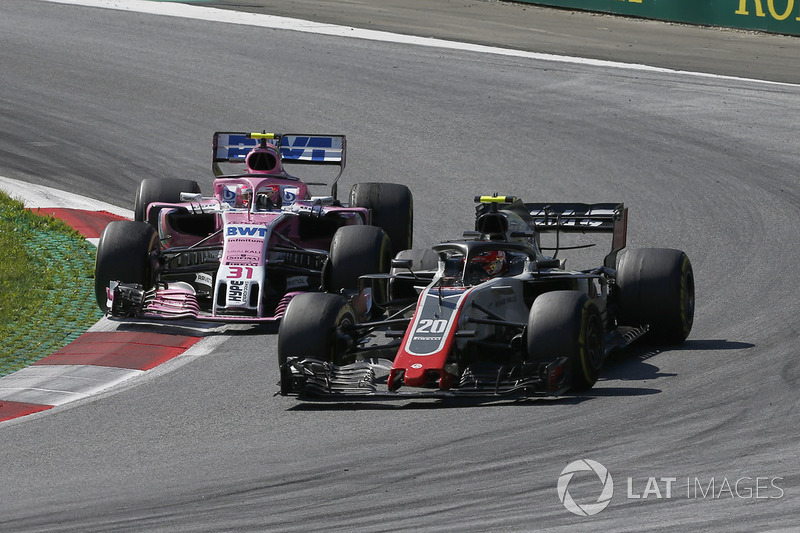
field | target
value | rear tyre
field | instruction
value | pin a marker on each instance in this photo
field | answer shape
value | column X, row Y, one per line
column 392, row 207
column 655, row 286
column 167, row 190
column 568, row 324
column 421, row 259
column 127, row 252
column 356, row 251
column 311, row 328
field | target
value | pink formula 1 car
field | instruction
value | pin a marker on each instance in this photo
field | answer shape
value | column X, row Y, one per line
column 261, row 239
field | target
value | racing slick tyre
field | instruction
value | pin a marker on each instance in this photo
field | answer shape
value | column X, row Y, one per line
column 125, row 253
column 167, row 190
column 421, row 258
column 311, row 328
column 356, row 251
column 568, row 324
column 392, row 207
column 655, row 287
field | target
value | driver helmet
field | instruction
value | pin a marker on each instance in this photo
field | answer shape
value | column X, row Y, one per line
column 489, row 264
column 269, row 197
column 244, row 195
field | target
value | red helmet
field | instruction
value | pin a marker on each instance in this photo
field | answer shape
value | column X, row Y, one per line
column 491, row 263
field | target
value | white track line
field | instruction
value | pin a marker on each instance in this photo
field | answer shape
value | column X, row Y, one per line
column 284, row 23
column 38, row 196
column 59, row 384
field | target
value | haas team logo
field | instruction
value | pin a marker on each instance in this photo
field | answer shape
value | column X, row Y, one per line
column 586, row 509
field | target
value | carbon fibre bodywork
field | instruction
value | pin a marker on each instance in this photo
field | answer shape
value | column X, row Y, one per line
column 243, row 253
column 438, row 326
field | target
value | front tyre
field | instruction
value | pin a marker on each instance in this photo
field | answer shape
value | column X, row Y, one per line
column 313, row 327
column 568, row 324
column 127, row 252
column 655, row 287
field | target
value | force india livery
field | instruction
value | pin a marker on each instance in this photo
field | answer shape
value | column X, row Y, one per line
column 260, row 240
column 489, row 315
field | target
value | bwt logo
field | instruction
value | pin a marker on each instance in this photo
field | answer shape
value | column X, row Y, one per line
column 246, row 231
column 315, row 148
column 586, row 509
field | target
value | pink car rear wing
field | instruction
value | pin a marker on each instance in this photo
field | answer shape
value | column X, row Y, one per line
column 308, row 149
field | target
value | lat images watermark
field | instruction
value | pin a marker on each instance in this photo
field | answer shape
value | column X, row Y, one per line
column 713, row 488
column 586, row 509
column 657, row 487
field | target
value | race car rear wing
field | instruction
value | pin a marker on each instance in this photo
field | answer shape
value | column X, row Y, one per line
column 308, row 149
column 583, row 218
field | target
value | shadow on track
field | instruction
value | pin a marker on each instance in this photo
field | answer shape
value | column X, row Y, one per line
column 444, row 403
column 195, row 328
column 630, row 364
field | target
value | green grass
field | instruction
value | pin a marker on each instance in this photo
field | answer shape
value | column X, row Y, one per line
column 46, row 285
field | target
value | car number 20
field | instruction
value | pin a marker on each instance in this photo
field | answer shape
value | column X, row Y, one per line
column 427, row 325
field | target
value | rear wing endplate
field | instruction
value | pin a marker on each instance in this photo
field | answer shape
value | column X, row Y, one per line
column 583, row 218
column 308, row 149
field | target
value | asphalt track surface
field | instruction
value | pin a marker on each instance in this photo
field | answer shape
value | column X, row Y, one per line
column 94, row 100
column 524, row 26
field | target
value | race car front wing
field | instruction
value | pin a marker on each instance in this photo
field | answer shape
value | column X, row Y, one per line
column 130, row 300
column 313, row 379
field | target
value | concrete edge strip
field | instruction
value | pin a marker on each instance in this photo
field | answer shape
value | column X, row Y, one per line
column 59, row 384
column 38, row 196
column 54, row 381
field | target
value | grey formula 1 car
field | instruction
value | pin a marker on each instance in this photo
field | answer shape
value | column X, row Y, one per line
column 489, row 315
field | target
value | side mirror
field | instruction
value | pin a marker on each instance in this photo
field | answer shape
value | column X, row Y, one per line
column 191, row 197
column 549, row 263
column 402, row 263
